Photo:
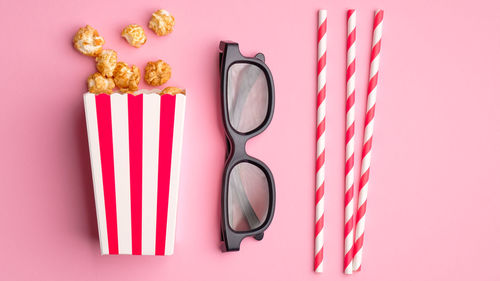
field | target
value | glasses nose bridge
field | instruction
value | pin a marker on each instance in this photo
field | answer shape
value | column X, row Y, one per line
column 237, row 147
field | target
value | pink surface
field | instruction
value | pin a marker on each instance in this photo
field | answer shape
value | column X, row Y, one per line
column 433, row 202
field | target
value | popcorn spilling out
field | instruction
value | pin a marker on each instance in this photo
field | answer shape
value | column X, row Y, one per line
column 126, row 78
column 172, row 91
column 134, row 34
column 97, row 83
column 88, row 41
column 106, row 62
column 162, row 23
column 157, row 73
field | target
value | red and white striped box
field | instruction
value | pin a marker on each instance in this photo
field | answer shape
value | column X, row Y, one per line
column 135, row 144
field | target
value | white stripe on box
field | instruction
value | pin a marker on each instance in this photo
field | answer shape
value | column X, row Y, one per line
column 180, row 102
column 150, row 144
column 119, row 120
column 95, row 160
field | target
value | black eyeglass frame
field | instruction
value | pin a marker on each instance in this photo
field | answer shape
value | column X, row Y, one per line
column 229, row 54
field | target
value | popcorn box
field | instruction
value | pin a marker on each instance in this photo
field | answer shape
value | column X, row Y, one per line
column 135, row 144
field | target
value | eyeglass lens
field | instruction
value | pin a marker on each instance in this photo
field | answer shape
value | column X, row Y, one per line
column 248, row 197
column 248, row 96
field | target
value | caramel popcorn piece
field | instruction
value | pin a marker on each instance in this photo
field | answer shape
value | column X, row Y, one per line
column 161, row 22
column 106, row 62
column 126, row 78
column 98, row 84
column 146, row 91
column 87, row 41
column 157, row 73
column 172, row 91
column 134, row 34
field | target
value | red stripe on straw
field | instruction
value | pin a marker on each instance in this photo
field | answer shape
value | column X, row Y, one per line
column 320, row 223
column 349, row 135
column 104, row 125
column 350, row 12
column 320, row 192
column 362, row 182
column 348, row 166
column 367, row 147
column 135, row 108
column 348, row 256
column 351, row 38
column 318, row 258
column 370, row 115
column 321, row 63
column 321, row 97
column 361, row 211
column 350, row 194
column 375, row 51
column 321, row 128
column 167, row 116
column 321, row 30
column 348, row 228
column 321, row 160
column 373, row 82
column 379, row 16
column 350, row 102
column 351, row 68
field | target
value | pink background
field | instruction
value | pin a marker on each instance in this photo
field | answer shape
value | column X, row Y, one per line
column 433, row 209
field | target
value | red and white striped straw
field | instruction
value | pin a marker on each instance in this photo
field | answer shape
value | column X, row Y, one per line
column 349, row 142
column 367, row 139
column 320, row 143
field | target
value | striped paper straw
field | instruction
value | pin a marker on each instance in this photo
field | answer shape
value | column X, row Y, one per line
column 349, row 142
column 320, row 143
column 367, row 139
